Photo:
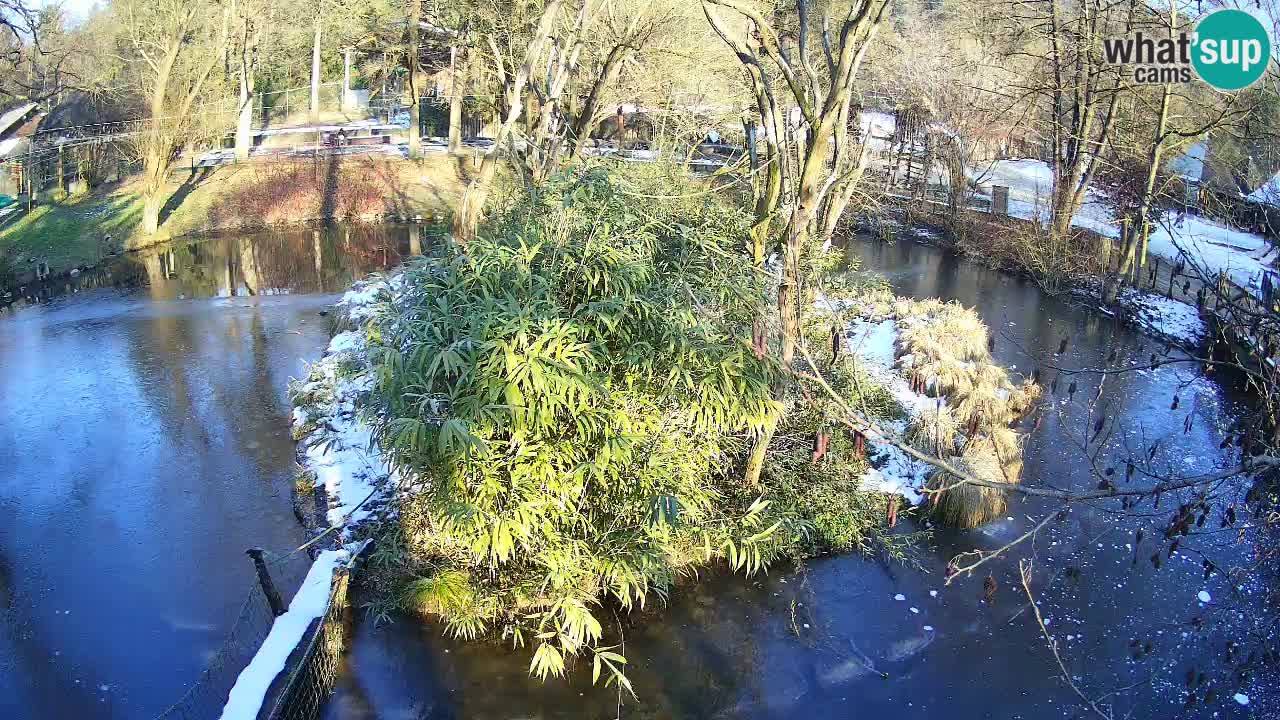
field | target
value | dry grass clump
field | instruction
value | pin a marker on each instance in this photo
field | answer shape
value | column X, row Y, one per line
column 934, row 430
column 944, row 376
column 1023, row 397
column 949, row 348
column 983, row 407
column 964, row 505
column 1006, row 443
column 961, row 331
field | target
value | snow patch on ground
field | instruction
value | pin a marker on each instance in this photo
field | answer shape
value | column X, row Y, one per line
column 1205, row 244
column 1212, row 248
column 1164, row 317
column 340, row 451
column 895, row 472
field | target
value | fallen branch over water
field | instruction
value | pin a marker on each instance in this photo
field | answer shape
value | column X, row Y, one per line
column 860, row 423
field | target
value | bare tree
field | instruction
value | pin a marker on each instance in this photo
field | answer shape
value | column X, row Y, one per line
column 513, row 69
column 818, row 75
column 1060, row 45
column 1182, row 115
column 247, row 30
column 178, row 44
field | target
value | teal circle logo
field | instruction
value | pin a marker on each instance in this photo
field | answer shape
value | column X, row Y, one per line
column 1231, row 49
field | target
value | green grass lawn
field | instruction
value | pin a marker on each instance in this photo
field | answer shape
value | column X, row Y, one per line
column 70, row 233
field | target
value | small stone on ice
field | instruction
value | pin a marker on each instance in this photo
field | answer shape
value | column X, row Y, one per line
column 899, row 597
column 916, row 611
column 928, row 628
column 1204, row 596
column 1241, row 698
column 933, row 593
column 1047, row 621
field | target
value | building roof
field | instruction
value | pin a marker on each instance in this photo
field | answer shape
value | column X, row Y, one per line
column 10, row 119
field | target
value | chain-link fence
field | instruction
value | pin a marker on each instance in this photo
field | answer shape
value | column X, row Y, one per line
column 206, row 697
column 307, row 687
column 280, row 107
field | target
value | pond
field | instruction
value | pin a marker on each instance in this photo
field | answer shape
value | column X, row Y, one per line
column 144, row 445
column 857, row 636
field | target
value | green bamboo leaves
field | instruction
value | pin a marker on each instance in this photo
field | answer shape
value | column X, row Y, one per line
column 572, row 393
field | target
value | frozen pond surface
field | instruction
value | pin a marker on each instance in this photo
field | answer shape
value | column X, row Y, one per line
column 144, row 445
column 851, row 637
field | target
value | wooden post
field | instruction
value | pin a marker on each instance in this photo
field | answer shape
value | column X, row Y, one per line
column 264, row 579
column 999, row 200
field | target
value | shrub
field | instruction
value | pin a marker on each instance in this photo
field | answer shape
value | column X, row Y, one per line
column 575, row 389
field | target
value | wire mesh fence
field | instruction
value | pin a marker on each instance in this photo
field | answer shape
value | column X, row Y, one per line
column 282, row 106
column 204, row 699
column 307, row 688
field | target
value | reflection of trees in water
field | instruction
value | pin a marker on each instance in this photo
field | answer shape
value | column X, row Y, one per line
column 326, row 259
column 700, row 657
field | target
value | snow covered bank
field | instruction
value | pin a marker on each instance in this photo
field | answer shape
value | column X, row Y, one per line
column 933, row 359
column 1213, row 248
column 894, row 471
column 336, row 448
column 1166, row 318
column 336, row 443
column 1205, row 244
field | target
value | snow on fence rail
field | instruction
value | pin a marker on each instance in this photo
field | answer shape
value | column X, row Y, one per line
column 307, row 641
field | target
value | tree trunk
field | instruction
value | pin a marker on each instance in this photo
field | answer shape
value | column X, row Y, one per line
column 155, row 167
column 244, row 123
column 455, row 103
column 1135, row 232
column 466, row 221
column 415, row 96
column 315, row 73
column 586, row 119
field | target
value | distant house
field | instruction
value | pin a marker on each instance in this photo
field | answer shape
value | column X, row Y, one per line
column 16, row 126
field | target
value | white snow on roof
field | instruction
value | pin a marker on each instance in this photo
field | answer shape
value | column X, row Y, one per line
column 14, row 115
column 7, row 146
column 1190, row 164
column 1269, row 192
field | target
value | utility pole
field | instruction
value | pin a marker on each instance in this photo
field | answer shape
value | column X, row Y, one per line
column 315, row 71
column 346, row 80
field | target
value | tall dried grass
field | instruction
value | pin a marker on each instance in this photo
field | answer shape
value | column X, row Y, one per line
column 949, row 347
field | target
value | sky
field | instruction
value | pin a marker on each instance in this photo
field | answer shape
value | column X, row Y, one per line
column 77, row 10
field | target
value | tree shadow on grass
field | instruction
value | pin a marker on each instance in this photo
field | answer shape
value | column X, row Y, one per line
column 188, row 186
